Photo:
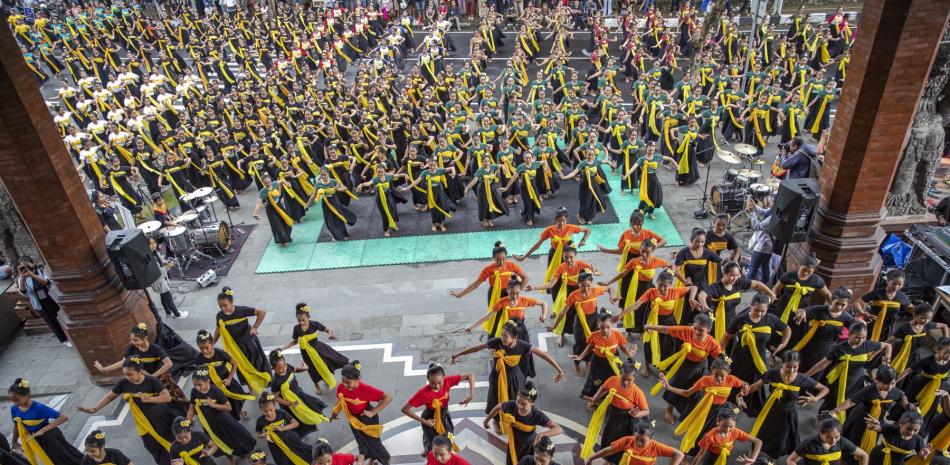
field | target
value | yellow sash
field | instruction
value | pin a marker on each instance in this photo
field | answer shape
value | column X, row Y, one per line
column 682, row 166
column 625, row 252
column 796, row 298
column 529, row 186
column 381, row 189
column 813, row 328
column 889, row 448
column 821, row 108
column 644, row 190
column 869, row 438
column 674, row 362
column 925, row 397
column 492, row 300
column 824, row 459
column 228, row 450
column 633, row 289
column 373, row 431
column 142, row 425
column 502, row 362
column 582, row 317
column 318, row 364
column 301, row 411
column 610, row 353
column 560, row 300
column 186, row 455
column 217, row 381
column 508, row 424
column 326, row 202
column 31, row 448
column 651, row 337
column 557, row 242
column 719, row 328
column 692, row 426
column 777, row 390
column 597, row 423
column 431, row 198
column 489, row 198
column 590, row 184
column 939, row 442
column 255, row 379
column 899, row 362
column 840, row 374
column 280, row 211
column 271, row 432
column 884, row 305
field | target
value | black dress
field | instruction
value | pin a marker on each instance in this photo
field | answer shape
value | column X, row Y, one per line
column 592, row 193
column 219, row 362
column 516, row 375
column 779, row 428
column 813, row 446
column 924, row 372
column 289, row 441
column 192, row 449
column 894, row 310
column 386, row 200
column 855, row 380
column 490, row 203
column 238, row 326
column 524, row 440
column 332, row 359
column 113, row 456
column 336, row 215
column 864, row 400
column 8, row 457
column 280, row 222
column 227, row 432
column 744, row 363
column 285, row 385
column 724, row 301
column 160, row 416
column 824, row 338
column 898, row 448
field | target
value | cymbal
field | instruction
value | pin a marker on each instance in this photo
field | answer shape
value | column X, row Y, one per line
column 150, row 226
column 728, row 157
column 745, row 149
column 749, row 173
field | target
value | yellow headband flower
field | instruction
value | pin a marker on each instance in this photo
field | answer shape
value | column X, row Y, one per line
column 185, row 423
column 201, row 372
column 229, row 292
column 100, row 435
column 270, row 396
column 24, row 383
column 141, row 326
column 358, row 366
column 258, row 456
column 305, row 309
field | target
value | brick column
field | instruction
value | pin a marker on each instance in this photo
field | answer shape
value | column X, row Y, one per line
column 34, row 164
column 896, row 44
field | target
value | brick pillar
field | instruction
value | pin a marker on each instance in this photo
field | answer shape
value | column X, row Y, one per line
column 896, row 44
column 35, row 166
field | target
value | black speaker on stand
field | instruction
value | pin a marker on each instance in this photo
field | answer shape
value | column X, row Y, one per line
column 793, row 209
column 138, row 269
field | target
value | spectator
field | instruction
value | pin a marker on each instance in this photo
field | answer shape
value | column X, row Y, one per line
column 762, row 242
column 160, row 286
column 798, row 164
column 34, row 284
column 942, row 211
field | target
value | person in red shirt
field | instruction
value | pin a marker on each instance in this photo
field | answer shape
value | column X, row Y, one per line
column 720, row 441
column 644, row 268
column 434, row 396
column 559, row 234
column 606, row 345
column 511, row 307
column 628, row 246
column 562, row 284
column 441, row 453
column 584, row 302
column 323, row 455
column 640, row 447
column 688, row 364
column 627, row 407
column 354, row 399
column 498, row 273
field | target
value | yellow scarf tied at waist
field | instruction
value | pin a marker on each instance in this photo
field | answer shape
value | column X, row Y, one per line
column 301, row 411
column 142, row 424
column 257, row 380
column 374, row 431
column 889, row 448
column 644, row 190
column 188, row 455
column 597, row 422
column 431, row 198
column 437, row 418
column 813, row 328
column 560, row 300
column 384, row 202
column 674, row 362
column 228, row 450
column 318, row 364
column 719, row 325
column 272, row 436
column 625, row 252
column 496, row 288
column 926, row 396
column 217, row 381
column 747, row 339
column 692, row 426
column 824, row 459
column 582, row 317
column 508, row 425
column 840, row 374
column 651, row 337
column 941, row 441
column 628, row 456
column 795, row 300
column 633, row 289
column 31, row 448
column 899, row 362
column 778, row 389
column 280, row 211
column 610, row 353
column 682, row 166
column 557, row 243
column 502, row 363
column 869, row 438
column 884, row 305
column 592, row 177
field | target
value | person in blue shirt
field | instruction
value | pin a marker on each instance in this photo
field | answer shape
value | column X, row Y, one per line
column 798, row 164
column 37, row 432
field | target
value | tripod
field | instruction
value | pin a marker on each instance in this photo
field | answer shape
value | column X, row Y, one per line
column 703, row 212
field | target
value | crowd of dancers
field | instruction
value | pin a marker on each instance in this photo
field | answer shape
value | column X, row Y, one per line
column 231, row 100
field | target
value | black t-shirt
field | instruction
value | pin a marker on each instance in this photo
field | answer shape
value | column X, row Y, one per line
column 905, row 330
column 869, row 393
column 198, row 441
column 717, row 291
column 533, row 418
column 237, row 322
column 788, row 280
column 827, row 333
column 213, row 393
column 844, row 348
column 219, row 359
column 314, row 327
column 281, row 417
column 521, row 348
column 803, row 381
column 113, row 456
column 761, row 339
column 814, row 446
column 150, row 385
column 151, row 358
column 698, row 273
column 717, row 243
column 892, row 434
column 880, row 295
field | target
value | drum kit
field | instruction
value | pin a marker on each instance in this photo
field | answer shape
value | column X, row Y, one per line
column 740, row 184
column 196, row 233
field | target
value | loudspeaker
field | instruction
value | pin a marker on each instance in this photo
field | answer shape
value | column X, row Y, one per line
column 793, row 209
column 137, row 266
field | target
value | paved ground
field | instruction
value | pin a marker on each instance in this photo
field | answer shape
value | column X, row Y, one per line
column 394, row 319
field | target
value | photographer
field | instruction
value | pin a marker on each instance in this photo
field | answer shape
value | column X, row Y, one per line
column 34, row 284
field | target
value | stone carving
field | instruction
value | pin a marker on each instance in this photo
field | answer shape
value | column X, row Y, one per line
column 908, row 193
column 15, row 239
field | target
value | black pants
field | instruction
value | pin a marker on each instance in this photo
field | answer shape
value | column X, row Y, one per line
column 168, row 303
column 48, row 312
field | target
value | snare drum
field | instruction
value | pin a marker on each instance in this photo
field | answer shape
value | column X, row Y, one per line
column 759, row 192
column 731, row 175
column 190, row 218
column 203, row 214
column 176, row 238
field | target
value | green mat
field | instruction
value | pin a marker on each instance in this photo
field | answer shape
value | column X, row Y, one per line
column 308, row 254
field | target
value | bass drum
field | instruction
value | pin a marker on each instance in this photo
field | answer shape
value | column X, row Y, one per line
column 726, row 198
column 214, row 237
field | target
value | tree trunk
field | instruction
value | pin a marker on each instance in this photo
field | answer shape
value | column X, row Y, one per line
column 710, row 22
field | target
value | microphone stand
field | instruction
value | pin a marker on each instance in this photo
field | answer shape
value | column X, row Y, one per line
column 703, row 212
